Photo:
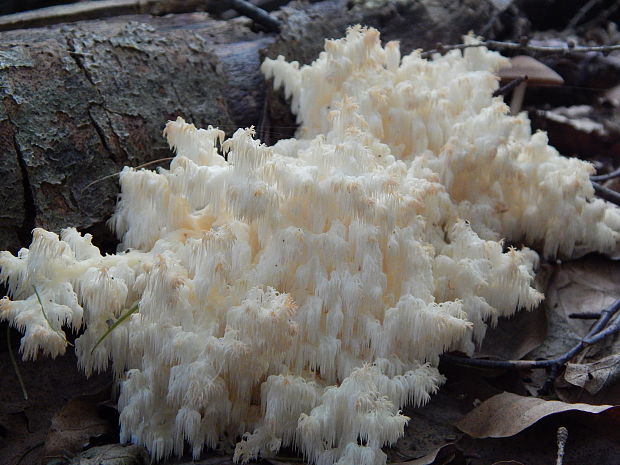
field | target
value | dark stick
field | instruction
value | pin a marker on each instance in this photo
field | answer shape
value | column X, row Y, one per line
column 580, row 14
column 257, row 14
column 508, row 87
column 605, row 177
column 546, row 388
column 524, row 45
column 585, row 315
column 606, row 193
column 593, row 336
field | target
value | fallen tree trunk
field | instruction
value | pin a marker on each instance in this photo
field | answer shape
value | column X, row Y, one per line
column 80, row 101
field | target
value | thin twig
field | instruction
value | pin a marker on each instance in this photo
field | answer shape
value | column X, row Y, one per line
column 524, row 45
column 122, row 318
column 585, row 315
column 491, row 22
column 508, row 87
column 14, row 363
column 594, row 335
column 36, row 446
column 603, row 15
column 49, row 323
column 606, row 177
column 606, row 193
column 612, row 329
column 256, row 14
column 143, row 165
column 580, row 14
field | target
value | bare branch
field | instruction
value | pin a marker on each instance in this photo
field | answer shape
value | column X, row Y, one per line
column 524, row 45
column 606, row 193
column 606, row 177
column 585, row 315
column 594, row 335
column 258, row 15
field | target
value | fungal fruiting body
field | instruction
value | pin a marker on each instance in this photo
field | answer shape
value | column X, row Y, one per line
column 302, row 294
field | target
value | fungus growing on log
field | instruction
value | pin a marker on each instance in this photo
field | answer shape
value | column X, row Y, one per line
column 533, row 73
column 301, row 294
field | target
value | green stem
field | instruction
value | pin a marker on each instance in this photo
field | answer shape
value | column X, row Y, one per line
column 122, row 318
column 14, row 362
column 57, row 331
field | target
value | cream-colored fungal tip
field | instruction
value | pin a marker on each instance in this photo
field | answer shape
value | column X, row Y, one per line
column 300, row 295
column 507, row 182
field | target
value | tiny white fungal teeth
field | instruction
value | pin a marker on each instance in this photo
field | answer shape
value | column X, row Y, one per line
column 301, row 294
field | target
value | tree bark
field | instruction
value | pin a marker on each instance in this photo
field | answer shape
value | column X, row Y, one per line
column 79, row 101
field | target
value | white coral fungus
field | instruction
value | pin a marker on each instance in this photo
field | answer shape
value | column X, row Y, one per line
column 301, row 294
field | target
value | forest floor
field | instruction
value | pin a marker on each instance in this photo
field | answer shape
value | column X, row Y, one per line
column 68, row 418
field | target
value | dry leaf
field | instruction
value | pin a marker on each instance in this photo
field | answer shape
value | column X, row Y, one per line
column 585, row 285
column 430, row 428
column 74, row 425
column 515, row 337
column 507, row 414
column 444, row 455
column 113, row 454
column 602, row 388
column 594, row 376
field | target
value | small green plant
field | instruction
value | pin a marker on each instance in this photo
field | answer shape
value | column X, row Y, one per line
column 57, row 331
column 14, row 362
column 122, row 318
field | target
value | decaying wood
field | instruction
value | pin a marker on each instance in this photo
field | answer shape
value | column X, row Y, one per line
column 79, row 101
column 99, row 9
column 93, row 9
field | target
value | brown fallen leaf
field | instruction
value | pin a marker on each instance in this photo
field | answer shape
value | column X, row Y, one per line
column 507, row 414
column 430, row 427
column 577, row 129
column 594, row 376
column 444, row 455
column 112, row 454
column 515, row 337
column 75, row 423
column 584, row 285
column 593, row 383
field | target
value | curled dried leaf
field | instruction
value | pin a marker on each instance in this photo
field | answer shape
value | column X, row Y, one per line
column 507, row 414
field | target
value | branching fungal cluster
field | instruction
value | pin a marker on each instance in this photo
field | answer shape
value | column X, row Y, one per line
column 301, row 294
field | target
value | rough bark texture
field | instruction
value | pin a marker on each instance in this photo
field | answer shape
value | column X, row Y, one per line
column 80, row 101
